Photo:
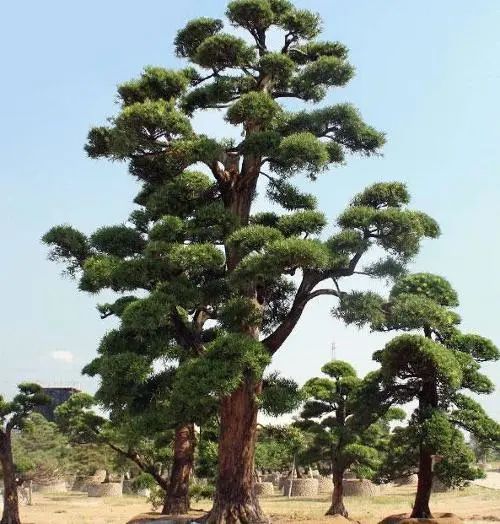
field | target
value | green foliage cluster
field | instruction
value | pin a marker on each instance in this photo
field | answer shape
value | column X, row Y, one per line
column 41, row 452
column 14, row 413
column 278, row 447
column 143, row 481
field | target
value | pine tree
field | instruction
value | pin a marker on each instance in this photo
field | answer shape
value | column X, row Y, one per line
column 343, row 435
column 433, row 366
column 41, row 452
column 133, row 438
column 278, row 448
column 13, row 415
column 221, row 280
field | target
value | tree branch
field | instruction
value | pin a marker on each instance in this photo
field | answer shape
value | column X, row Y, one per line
column 275, row 340
column 185, row 336
column 136, row 459
column 201, row 315
column 290, row 38
column 320, row 292
column 220, row 174
column 351, row 267
column 287, row 94
column 199, row 81
column 268, row 176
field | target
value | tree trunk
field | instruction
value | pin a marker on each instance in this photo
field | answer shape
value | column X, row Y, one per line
column 424, row 488
column 10, row 500
column 428, row 399
column 337, row 507
column 177, row 496
column 235, row 501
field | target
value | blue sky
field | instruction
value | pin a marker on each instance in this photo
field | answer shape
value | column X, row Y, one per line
column 428, row 74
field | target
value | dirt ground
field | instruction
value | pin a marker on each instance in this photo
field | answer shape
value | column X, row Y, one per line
column 492, row 480
column 475, row 504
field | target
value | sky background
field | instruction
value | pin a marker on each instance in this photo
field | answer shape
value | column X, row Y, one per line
column 428, row 74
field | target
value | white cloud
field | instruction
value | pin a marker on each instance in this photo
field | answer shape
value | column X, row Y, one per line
column 63, row 356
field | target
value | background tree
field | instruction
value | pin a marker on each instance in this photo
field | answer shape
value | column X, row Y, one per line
column 433, row 366
column 132, row 438
column 484, row 450
column 89, row 458
column 41, row 452
column 207, row 451
column 402, row 459
column 278, row 448
column 343, row 436
column 221, row 280
column 13, row 415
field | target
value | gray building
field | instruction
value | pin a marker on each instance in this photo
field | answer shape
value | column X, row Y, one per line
column 57, row 396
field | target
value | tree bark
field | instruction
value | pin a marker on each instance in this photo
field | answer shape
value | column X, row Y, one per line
column 428, row 399
column 177, row 496
column 424, row 488
column 235, row 500
column 337, row 507
column 10, row 499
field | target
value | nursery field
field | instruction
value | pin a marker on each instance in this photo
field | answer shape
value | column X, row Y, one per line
column 474, row 504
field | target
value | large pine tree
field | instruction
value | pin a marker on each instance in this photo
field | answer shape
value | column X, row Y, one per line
column 226, row 286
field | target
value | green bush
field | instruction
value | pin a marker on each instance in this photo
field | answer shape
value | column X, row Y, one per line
column 143, row 481
column 199, row 491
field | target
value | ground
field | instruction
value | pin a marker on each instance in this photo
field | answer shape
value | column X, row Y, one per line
column 475, row 504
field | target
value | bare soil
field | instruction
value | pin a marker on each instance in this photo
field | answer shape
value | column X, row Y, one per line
column 474, row 505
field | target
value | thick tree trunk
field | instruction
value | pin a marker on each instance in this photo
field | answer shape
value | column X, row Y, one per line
column 177, row 496
column 424, row 488
column 235, row 501
column 337, row 507
column 10, row 500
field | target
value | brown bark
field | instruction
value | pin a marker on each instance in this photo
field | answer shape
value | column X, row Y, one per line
column 276, row 339
column 10, row 500
column 337, row 507
column 235, row 500
column 177, row 496
column 424, row 488
column 428, row 398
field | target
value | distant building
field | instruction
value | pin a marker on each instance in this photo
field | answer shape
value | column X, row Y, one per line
column 58, row 396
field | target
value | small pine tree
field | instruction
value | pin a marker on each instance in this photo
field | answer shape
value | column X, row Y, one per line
column 278, row 448
column 434, row 366
column 343, row 435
